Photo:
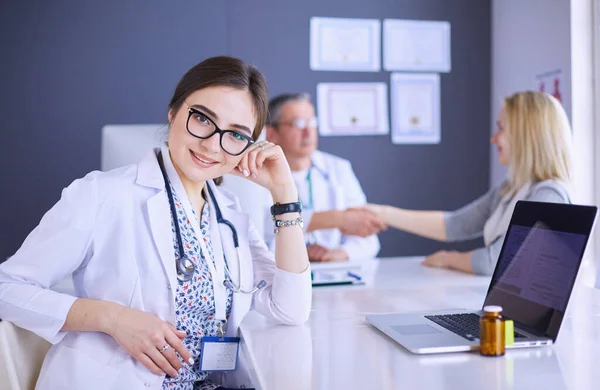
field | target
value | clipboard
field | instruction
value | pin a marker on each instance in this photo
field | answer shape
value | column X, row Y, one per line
column 339, row 277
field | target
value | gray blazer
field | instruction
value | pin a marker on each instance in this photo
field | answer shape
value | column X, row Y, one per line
column 468, row 221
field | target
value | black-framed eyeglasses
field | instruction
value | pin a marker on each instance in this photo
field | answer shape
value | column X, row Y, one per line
column 201, row 126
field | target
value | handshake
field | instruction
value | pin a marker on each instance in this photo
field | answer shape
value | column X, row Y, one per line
column 361, row 221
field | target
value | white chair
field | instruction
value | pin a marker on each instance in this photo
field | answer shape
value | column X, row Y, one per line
column 254, row 200
column 128, row 144
column 21, row 356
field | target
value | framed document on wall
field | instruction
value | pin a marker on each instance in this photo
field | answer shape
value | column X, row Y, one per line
column 413, row 45
column 352, row 109
column 415, row 108
column 345, row 44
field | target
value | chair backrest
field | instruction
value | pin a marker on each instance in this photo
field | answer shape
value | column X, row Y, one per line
column 128, row 144
column 21, row 356
column 254, row 200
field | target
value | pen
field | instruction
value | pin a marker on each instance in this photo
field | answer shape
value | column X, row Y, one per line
column 353, row 275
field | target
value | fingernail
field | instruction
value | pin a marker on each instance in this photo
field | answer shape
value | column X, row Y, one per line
column 191, row 361
column 175, row 376
column 246, row 173
column 254, row 175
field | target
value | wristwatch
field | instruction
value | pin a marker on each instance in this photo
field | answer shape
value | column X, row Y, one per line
column 278, row 208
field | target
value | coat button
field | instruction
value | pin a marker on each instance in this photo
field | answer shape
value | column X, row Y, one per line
column 168, row 286
column 147, row 384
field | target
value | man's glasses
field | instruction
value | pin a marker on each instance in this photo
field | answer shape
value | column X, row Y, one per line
column 201, row 126
column 301, row 123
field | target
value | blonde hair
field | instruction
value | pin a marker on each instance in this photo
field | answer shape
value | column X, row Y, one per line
column 539, row 137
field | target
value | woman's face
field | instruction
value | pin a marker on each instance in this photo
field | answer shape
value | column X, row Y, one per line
column 500, row 139
column 203, row 159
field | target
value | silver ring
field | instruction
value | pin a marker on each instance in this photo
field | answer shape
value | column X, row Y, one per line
column 165, row 348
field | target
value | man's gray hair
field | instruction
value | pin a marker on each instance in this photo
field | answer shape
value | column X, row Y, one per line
column 279, row 101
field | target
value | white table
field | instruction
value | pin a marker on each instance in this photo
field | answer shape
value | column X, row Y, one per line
column 338, row 349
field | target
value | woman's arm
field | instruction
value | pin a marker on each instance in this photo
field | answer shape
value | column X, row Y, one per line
column 462, row 224
column 57, row 247
column 268, row 168
column 288, row 293
column 51, row 253
column 428, row 224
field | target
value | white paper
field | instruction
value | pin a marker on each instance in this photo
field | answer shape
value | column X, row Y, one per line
column 551, row 82
column 352, row 108
column 415, row 108
column 345, row 44
column 411, row 45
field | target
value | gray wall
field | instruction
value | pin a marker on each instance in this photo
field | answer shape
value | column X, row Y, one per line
column 514, row 39
column 69, row 67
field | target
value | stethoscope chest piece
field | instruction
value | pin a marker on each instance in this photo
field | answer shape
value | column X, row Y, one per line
column 185, row 269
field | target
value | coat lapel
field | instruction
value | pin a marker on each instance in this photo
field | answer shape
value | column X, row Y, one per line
column 159, row 215
column 221, row 236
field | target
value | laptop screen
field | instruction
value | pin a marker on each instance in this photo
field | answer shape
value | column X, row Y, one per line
column 538, row 264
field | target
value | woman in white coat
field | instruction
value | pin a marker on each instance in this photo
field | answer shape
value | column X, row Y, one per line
column 161, row 259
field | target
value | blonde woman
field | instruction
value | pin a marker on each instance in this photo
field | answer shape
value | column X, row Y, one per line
column 533, row 138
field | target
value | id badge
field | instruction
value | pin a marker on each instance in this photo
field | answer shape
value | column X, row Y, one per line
column 219, row 353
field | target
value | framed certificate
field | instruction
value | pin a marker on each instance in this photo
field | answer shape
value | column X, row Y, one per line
column 345, row 44
column 415, row 108
column 352, row 109
column 412, row 45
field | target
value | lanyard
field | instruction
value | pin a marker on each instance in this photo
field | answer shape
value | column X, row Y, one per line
column 309, row 205
column 217, row 269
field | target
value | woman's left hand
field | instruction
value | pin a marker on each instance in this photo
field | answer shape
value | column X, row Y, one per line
column 440, row 259
column 458, row 261
column 265, row 164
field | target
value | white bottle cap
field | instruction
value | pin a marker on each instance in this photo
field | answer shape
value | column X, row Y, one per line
column 492, row 309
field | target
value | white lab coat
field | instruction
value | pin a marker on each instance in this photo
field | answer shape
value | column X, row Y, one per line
column 334, row 187
column 112, row 232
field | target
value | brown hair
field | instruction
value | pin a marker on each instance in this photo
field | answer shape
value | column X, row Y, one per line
column 225, row 72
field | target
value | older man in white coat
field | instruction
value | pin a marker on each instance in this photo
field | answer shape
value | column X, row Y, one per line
column 336, row 228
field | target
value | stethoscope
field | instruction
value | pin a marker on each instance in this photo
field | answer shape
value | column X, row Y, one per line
column 187, row 268
column 310, row 237
column 308, row 179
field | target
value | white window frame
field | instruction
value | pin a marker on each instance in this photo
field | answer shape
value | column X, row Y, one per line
column 596, row 141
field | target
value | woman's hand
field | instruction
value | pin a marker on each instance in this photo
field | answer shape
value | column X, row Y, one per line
column 459, row 261
column 440, row 259
column 377, row 209
column 265, row 164
column 360, row 221
column 144, row 335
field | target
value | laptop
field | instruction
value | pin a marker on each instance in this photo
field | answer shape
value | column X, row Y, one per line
column 533, row 281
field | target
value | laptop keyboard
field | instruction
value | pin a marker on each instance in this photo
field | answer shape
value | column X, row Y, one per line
column 465, row 325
